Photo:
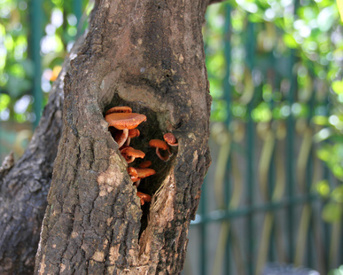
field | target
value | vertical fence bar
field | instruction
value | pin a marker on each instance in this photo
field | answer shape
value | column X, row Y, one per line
column 36, row 15
column 310, row 180
column 273, row 78
column 271, row 186
column 227, row 96
column 202, row 229
column 290, row 178
column 77, row 10
column 326, row 226
column 290, row 158
column 250, row 137
column 227, row 53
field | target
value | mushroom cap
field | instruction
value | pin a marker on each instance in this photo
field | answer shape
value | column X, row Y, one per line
column 132, row 172
column 119, row 109
column 145, row 164
column 131, row 152
column 134, row 133
column 170, row 139
column 144, row 197
column 145, row 172
column 157, row 143
column 125, row 120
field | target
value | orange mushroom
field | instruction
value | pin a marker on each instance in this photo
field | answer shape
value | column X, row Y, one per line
column 119, row 109
column 170, row 139
column 145, row 164
column 145, row 172
column 160, row 145
column 144, row 197
column 132, row 172
column 124, row 122
column 133, row 175
column 137, row 174
column 132, row 133
column 130, row 154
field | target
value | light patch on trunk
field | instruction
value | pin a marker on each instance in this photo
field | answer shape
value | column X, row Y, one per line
column 109, row 221
column 99, row 256
column 42, row 266
column 195, row 159
column 112, row 177
column 105, row 244
column 161, row 214
column 114, row 254
column 191, row 136
column 63, row 267
column 110, row 269
column 163, row 203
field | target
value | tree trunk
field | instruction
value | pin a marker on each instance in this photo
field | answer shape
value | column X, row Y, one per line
column 147, row 55
column 24, row 186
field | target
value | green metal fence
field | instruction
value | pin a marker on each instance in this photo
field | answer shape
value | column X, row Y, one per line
column 259, row 203
column 34, row 15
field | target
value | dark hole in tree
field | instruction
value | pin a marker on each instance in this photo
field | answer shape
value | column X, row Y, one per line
column 149, row 129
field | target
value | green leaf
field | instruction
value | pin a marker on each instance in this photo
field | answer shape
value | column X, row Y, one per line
column 4, row 101
column 340, row 8
column 337, row 87
column 337, row 194
column 290, row 41
column 332, row 212
column 323, row 188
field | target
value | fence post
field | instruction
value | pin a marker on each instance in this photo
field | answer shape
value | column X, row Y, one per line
column 77, row 10
column 36, row 14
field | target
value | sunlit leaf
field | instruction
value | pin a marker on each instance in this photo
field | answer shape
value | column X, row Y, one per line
column 4, row 101
column 290, row 41
column 324, row 154
column 262, row 113
column 337, row 86
column 340, row 8
column 320, row 120
column 323, row 188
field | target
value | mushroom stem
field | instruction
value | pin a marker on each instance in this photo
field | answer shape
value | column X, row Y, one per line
column 127, row 143
column 136, row 183
column 122, row 138
column 165, row 157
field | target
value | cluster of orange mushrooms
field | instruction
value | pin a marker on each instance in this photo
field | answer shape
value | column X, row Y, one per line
column 123, row 127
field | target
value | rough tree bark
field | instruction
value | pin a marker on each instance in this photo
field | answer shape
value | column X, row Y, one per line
column 148, row 55
column 24, row 186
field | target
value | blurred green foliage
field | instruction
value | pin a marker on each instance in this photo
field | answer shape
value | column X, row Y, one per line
column 309, row 31
column 16, row 68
